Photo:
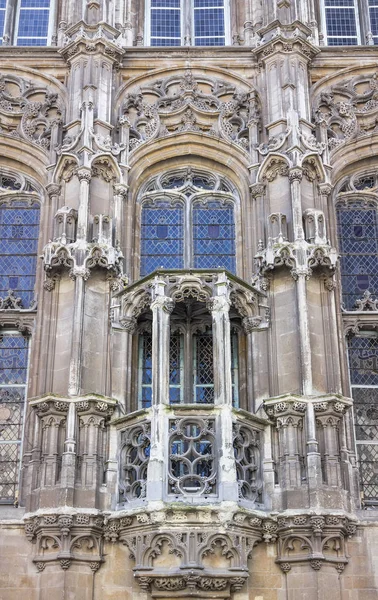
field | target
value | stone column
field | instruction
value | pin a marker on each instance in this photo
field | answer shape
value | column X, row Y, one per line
column 67, row 480
column 84, row 175
column 161, row 307
column 120, row 194
column 219, row 307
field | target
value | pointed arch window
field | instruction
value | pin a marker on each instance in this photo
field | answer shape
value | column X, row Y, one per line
column 187, row 222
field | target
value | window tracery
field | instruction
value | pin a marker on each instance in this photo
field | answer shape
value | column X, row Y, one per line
column 190, row 224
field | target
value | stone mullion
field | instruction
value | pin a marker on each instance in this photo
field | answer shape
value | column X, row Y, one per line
column 68, row 473
column 77, row 334
column 50, row 450
column 91, row 450
column 161, row 308
column 219, row 307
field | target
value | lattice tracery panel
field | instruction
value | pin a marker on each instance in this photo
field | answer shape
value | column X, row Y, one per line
column 192, row 452
column 135, row 454
column 13, row 370
column 248, row 462
column 204, row 373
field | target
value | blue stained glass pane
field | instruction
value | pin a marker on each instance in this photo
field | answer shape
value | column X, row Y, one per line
column 208, row 3
column 209, row 23
column 3, row 4
column 363, row 360
column 13, row 360
column 2, row 16
column 19, row 229
column 33, row 23
column 358, row 239
column 157, row 250
column 339, row 3
column 373, row 13
column 35, row 3
column 211, row 250
column 165, row 3
column 165, row 23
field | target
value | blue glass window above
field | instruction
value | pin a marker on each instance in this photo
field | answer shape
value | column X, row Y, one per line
column 33, row 23
column 2, row 19
column 209, row 23
column 13, row 374
column 341, row 22
column 165, row 23
column 363, row 360
column 214, row 236
column 162, row 237
column 373, row 14
column 193, row 228
column 358, row 240
column 19, row 229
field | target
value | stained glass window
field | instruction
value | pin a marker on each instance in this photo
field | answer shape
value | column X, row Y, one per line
column 33, row 22
column 162, row 237
column 186, row 232
column 2, row 19
column 203, row 368
column 165, row 22
column 13, row 373
column 341, row 22
column 19, row 228
column 145, row 370
column 358, row 240
column 214, row 236
column 363, row 363
column 176, row 369
column 207, row 24
column 373, row 14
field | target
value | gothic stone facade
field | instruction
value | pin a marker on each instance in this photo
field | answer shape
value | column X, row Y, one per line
column 132, row 485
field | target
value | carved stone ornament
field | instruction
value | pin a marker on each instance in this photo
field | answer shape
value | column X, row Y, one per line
column 187, row 103
column 24, row 115
column 65, row 539
column 345, row 112
column 98, row 38
column 314, row 539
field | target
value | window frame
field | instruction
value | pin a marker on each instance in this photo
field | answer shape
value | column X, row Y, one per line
column 12, row 19
column 324, row 25
column 187, row 25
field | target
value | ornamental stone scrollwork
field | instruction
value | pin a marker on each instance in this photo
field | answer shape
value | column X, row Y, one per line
column 301, row 256
column 313, row 539
column 247, row 446
column 31, row 113
column 66, row 538
column 348, row 109
column 185, row 103
column 134, row 457
column 367, row 303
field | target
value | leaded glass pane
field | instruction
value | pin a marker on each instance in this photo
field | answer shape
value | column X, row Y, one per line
column 234, row 370
column 209, row 23
column 13, row 373
column 368, row 459
column 165, row 23
column 19, row 229
column 2, row 18
column 203, row 371
column 162, row 237
column 145, row 370
column 214, row 236
column 363, row 360
column 366, row 413
column 175, row 368
column 358, row 239
column 33, row 23
column 341, row 22
column 373, row 14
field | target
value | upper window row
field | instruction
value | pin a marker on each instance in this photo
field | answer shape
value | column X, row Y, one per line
column 350, row 22
column 32, row 21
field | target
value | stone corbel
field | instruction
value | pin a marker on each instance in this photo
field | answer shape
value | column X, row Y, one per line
column 66, row 538
column 314, row 539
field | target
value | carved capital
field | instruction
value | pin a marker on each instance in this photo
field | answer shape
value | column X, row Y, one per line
column 163, row 303
column 257, row 189
column 84, row 174
column 295, row 174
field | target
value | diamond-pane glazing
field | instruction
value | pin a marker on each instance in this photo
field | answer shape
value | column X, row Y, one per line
column 145, row 370
column 175, row 368
column 366, row 413
column 204, row 373
column 13, row 373
column 162, row 238
column 214, row 236
column 358, row 239
column 368, row 459
column 19, row 229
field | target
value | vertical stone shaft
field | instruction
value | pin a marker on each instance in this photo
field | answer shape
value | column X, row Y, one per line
column 161, row 308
